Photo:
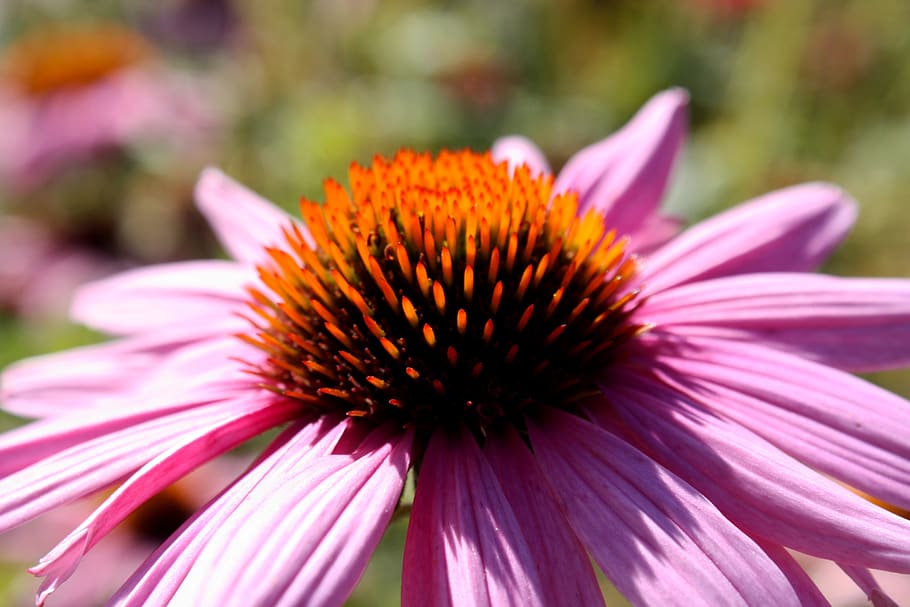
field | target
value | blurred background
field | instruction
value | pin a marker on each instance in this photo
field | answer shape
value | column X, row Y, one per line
column 109, row 110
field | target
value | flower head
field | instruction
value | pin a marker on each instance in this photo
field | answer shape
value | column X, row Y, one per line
column 42, row 270
column 442, row 293
column 69, row 92
column 565, row 374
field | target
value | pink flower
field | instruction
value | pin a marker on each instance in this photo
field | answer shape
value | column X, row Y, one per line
column 677, row 413
column 69, row 93
column 40, row 271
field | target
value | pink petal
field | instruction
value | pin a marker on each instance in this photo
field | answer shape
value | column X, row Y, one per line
column 92, row 465
column 166, row 468
column 307, row 530
column 791, row 230
column 464, row 544
column 517, row 151
column 655, row 232
column 764, row 491
column 74, row 379
column 341, row 553
column 190, row 377
column 124, row 375
column 625, row 175
column 562, row 562
column 161, row 575
column 836, row 423
column 660, row 541
column 244, row 222
column 215, row 368
column 42, row 136
column 156, row 297
column 30, row 443
column 857, row 324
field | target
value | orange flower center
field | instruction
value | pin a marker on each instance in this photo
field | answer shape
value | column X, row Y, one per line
column 442, row 291
column 54, row 59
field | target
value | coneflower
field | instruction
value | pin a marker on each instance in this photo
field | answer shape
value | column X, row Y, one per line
column 564, row 376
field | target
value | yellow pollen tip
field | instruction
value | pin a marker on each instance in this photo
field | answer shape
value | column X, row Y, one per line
column 525, row 317
column 377, row 382
column 488, row 331
column 429, row 336
column 493, row 272
column 404, row 261
column 461, row 321
column 447, row 266
column 469, row 283
column 439, row 297
column 423, row 280
column 391, row 348
column 496, row 297
column 524, row 283
column 410, row 312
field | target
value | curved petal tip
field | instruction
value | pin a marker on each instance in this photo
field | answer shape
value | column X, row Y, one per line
column 518, row 150
column 244, row 222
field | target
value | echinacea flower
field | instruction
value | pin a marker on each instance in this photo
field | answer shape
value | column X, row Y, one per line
column 562, row 374
column 40, row 271
column 70, row 92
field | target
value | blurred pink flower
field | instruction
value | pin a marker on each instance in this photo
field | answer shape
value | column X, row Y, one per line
column 675, row 413
column 39, row 273
column 68, row 93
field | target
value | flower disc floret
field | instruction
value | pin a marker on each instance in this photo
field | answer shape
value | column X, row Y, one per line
column 54, row 59
column 442, row 291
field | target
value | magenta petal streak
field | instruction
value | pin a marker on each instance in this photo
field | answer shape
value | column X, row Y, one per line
column 562, row 561
column 126, row 373
column 94, row 464
column 332, row 531
column 625, row 175
column 763, row 490
column 791, row 230
column 59, row 564
column 856, row 324
column 464, row 545
column 164, row 571
column 835, row 422
column 658, row 540
column 305, row 530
